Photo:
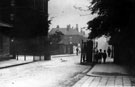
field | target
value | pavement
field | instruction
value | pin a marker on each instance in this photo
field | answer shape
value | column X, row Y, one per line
column 12, row 63
column 107, row 75
column 62, row 55
column 21, row 61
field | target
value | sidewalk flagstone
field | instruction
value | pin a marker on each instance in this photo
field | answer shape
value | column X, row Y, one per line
column 106, row 75
column 107, row 69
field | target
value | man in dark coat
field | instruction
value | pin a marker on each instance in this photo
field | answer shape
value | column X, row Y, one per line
column 109, row 51
column 104, row 56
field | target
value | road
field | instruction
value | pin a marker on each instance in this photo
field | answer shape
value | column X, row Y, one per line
column 59, row 72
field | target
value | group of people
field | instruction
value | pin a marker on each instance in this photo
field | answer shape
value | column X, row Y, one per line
column 99, row 55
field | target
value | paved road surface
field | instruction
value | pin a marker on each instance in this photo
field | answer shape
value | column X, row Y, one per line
column 52, row 73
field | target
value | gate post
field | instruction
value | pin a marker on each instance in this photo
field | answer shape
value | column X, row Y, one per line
column 89, row 51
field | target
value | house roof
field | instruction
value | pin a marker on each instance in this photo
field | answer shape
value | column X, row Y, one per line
column 71, row 36
column 66, row 31
column 74, row 39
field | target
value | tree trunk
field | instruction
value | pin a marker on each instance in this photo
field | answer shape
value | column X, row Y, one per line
column 116, row 54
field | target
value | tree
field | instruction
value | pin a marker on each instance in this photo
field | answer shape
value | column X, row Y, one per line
column 56, row 37
column 113, row 16
column 116, row 18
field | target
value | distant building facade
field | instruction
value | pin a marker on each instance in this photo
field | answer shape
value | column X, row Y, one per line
column 72, row 38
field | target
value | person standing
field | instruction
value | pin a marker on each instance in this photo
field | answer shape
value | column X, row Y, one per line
column 104, row 56
column 109, row 52
column 77, row 51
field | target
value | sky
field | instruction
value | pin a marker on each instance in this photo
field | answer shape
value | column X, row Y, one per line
column 64, row 12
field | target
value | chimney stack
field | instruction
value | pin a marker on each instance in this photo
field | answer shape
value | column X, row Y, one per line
column 68, row 27
column 83, row 32
column 77, row 27
column 58, row 26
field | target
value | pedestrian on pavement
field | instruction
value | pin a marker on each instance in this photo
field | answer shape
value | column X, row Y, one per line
column 100, row 55
column 77, row 51
column 109, row 51
column 104, row 56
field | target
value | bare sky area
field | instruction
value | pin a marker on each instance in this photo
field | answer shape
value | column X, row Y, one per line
column 64, row 12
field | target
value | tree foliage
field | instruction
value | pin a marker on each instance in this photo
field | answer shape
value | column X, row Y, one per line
column 115, row 18
column 56, row 37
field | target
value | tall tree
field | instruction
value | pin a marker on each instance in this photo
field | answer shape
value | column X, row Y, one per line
column 113, row 16
column 116, row 18
column 56, row 37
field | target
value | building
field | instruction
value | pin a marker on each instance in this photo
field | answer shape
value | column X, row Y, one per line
column 72, row 38
column 5, row 27
column 22, row 21
column 4, row 45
